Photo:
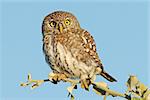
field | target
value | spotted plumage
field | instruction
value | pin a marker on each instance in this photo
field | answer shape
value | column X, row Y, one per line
column 69, row 49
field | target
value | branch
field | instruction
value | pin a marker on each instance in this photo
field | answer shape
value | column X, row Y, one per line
column 135, row 89
column 101, row 89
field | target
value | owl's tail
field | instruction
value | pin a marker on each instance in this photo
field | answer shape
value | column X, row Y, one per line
column 107, row 76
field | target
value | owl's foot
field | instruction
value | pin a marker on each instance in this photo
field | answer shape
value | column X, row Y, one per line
column 56, row 77
column 35, row 83
column 85, row 83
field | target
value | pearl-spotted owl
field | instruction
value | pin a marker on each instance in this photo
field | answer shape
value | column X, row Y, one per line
column 70, row 50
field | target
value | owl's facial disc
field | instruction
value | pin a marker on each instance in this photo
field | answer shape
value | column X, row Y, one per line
column 59, row 21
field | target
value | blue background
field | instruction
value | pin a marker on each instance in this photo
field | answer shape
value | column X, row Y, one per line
column 120, row 30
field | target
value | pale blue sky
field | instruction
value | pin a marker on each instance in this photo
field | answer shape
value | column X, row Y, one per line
column 120, row 30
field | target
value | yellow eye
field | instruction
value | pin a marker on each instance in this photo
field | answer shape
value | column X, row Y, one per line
column 67, row 21
column 52, row 24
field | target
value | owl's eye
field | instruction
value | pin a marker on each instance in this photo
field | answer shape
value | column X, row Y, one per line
column 67, row 21
column 52, row 23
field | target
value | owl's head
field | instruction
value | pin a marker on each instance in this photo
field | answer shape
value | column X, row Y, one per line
column 59, row 21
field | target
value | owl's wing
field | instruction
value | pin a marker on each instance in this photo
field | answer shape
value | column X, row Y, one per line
column 81, row 45
column 90, row 47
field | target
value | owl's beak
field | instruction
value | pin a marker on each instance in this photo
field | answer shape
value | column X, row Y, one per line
column 60, row 27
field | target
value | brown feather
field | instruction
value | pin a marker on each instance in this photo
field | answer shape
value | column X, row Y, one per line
column 108, row 77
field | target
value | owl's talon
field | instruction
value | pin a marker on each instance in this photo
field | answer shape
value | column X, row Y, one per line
column 54, row 82
column 55, row 79
column 85, row 84
column 75, row 87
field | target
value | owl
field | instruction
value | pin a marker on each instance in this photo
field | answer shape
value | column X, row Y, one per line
column 71, row 50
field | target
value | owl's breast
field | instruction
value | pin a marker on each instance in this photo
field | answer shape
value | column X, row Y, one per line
column 65, row 54
column 69, row 64
column 48, row 49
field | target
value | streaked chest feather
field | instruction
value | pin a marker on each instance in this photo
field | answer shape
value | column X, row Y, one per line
column 63, row 60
